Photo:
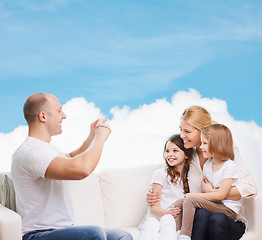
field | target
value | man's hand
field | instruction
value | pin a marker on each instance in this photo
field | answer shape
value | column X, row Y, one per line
column 152, row 198
column 102, row 130
column 92, row 129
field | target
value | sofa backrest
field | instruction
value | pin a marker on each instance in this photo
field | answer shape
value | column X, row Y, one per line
column 124, row 195
column 117, row 198
column 112, row 198
column 7, row 195
column 87, row 201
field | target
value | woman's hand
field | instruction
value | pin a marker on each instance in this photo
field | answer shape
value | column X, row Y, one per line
column 152, row 198
column 174, row 211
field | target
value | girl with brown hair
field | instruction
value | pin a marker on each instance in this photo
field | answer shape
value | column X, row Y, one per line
column 171, row 184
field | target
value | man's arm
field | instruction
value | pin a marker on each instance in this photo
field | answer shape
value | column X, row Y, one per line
column 87, row 142
column 80, row 166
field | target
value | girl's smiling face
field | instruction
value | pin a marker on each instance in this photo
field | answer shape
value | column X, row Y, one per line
column 204, row 147
column 173, row 155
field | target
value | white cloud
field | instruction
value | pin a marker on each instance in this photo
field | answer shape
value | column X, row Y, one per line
column 138, row 135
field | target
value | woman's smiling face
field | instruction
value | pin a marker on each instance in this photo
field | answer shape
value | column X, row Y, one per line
column 190, row 135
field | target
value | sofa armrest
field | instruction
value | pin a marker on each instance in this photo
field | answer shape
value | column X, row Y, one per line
column 10, row 224
column 253, row 207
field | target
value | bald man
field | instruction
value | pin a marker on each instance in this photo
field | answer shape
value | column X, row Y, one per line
column 39, row 171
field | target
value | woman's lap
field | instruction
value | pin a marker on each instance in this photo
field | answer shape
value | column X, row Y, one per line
column 215, row 226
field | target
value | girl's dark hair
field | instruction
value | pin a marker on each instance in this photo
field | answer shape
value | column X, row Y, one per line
column 171, row 171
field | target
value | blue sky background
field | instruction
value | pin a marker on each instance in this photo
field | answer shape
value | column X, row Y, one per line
column 130, row 53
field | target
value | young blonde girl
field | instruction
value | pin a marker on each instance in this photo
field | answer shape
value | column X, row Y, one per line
column 171, row 184
column 220, row 171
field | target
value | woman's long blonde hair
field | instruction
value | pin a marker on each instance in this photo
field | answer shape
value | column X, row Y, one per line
column 198, row 117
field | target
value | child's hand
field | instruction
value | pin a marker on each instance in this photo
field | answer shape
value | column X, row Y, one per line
column 188, row 195
column 191, row 195
column 197, row 195
column 174, row 211
column 206, row 186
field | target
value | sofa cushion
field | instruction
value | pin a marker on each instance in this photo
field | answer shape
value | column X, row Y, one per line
column 124, row 195
column 87, row 201
column 8, row 193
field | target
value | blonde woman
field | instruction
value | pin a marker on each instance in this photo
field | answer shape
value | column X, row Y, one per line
column 207, row 225
column 221, row 171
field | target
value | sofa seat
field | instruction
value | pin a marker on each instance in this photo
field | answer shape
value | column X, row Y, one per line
column 116, row 198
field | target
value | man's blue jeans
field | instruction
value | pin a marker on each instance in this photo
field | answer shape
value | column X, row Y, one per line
column 215, row 226
column 78, row 233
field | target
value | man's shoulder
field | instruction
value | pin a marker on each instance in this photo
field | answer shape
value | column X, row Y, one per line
column 32, row 149
column 27, row 146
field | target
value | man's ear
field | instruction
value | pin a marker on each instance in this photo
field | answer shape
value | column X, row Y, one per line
column 42, row 116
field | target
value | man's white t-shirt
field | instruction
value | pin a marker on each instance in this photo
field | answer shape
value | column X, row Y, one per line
column 42, row 203
column 228, row 170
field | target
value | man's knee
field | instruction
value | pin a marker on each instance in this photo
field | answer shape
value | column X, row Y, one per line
column 126, row 236
column 118, row 234
column 91, row 231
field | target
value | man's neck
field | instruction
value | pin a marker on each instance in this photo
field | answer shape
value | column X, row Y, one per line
column 39, row 134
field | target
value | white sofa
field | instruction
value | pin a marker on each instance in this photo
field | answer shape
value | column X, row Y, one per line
column 117, row 198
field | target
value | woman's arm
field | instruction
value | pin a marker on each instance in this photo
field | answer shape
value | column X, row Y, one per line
column 218, row 195
column 246, row 187
column 152, row 198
